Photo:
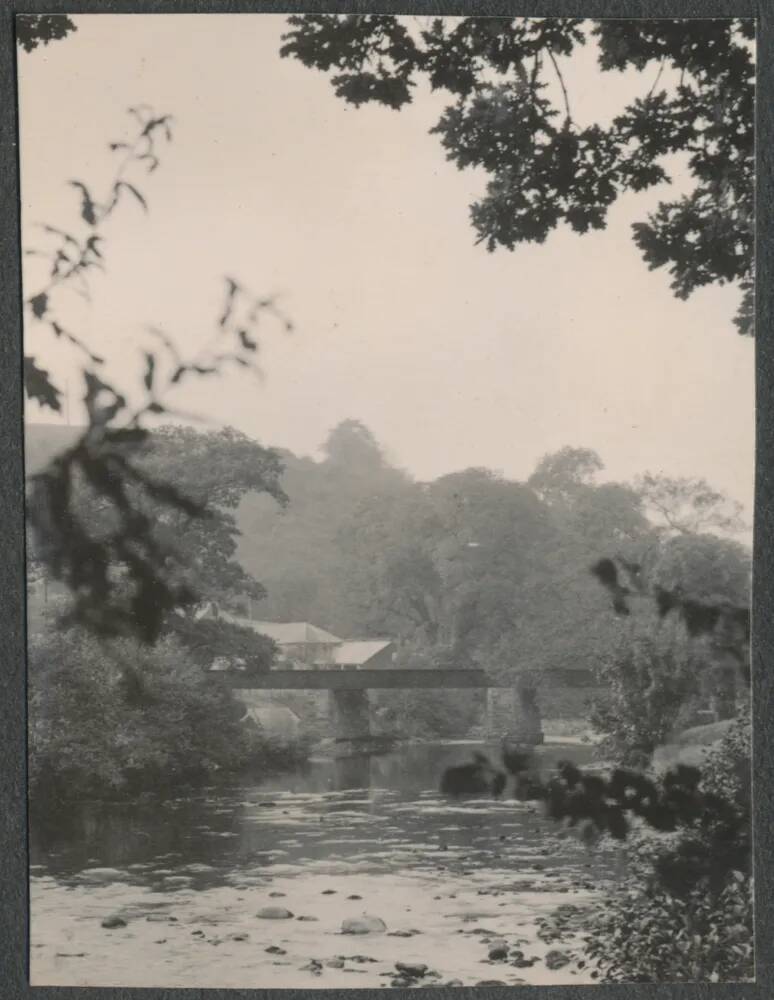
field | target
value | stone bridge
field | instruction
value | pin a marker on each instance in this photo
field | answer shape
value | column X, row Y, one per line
column 508, row 711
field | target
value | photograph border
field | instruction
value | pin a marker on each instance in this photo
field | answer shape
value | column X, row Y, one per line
column 14, row 914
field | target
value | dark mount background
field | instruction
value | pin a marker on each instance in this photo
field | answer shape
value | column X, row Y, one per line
column 13, row 852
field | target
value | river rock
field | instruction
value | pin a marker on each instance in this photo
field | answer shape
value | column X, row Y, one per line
column 310, row 919
column 498, row 952
column 491, row 982
column 114, row 921
column 556, row 959
column 413, row 970
column 274, row 913
column 274, row 949
column 403, row 934
column 335, row 963
column 363, row 925
column 329, row 892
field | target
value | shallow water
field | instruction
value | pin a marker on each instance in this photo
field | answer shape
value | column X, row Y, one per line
column 342, row 838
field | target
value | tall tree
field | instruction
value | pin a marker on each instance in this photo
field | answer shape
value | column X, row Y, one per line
column 511, row 116
column 687, row 506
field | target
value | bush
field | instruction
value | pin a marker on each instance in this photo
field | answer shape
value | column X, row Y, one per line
column 114, row 718
column 685, row 914
column 647, row 935
column 649, row 681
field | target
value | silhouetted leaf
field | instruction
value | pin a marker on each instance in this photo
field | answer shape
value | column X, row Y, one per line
column 39, row 305
column 88, row 206
column 150, row 368
column 247, row 341
column 38, row 385
column 130, row 187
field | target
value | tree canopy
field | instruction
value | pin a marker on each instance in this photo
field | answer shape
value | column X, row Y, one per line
column 511, row 115
column 33, row 30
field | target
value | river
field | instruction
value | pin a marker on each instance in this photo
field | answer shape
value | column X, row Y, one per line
column 187, row 877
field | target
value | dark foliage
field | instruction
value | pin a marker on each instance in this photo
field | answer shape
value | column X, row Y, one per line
column 478, row 778
column 33, row 30
column 208, row 640
column 700, row 617
column 511, row 116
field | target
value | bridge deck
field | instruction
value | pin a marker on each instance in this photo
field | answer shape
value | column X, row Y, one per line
column 355, row 680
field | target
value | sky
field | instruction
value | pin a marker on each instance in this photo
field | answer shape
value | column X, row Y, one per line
column 452, row 356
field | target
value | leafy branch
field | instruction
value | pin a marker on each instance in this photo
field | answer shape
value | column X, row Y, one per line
column 89, row 510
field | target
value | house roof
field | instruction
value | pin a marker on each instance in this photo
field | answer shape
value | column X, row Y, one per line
column 359, row 651
column 344, row 653
column 290, row 633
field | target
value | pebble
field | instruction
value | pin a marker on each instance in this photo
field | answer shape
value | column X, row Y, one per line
column 274, row 949
column 113, row 921
column 363, row 925
column 413, row 970
column 556, row 959
column 274, row 913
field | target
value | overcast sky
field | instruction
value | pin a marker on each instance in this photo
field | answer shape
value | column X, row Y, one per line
column 451, row 355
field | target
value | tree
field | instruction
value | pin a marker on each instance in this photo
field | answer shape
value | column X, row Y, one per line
column 560, row 474
column 687, row 506
column 511, row 116
column 215, row 470
column 352, row 444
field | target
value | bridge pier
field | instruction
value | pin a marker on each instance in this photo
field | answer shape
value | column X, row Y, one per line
column 513, row 713
column 350, row 714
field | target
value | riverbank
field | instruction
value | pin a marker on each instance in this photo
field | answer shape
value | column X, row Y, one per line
column 214, row 938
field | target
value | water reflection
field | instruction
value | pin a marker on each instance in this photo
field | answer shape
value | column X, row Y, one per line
column 362, row 813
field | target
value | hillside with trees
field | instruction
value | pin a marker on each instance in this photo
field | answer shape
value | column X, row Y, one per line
column 474, row 569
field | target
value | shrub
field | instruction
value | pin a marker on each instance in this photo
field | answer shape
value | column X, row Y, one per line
column 686, row 911
column 649, row 680
column 648, row 935
column 111, row 718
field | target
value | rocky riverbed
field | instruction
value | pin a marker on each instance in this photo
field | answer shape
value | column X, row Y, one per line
column 290, row 888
